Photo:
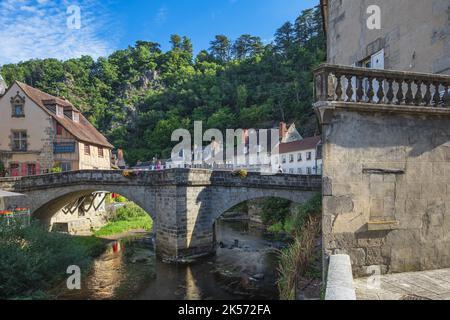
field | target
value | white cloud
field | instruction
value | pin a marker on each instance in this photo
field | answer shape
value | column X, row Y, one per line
column 161, row 16
column 38, row 29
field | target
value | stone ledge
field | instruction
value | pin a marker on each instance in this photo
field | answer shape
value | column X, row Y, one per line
column 382, row 225
column 387, row 108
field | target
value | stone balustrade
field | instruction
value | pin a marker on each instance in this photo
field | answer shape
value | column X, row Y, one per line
column 334, row 83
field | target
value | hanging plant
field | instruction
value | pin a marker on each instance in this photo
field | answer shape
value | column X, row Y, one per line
column 128, row 173
column 240, row 173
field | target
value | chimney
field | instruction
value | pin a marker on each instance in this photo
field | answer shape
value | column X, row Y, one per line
column 283, row 130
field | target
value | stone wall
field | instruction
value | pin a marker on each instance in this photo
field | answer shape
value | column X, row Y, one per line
column 387, row 187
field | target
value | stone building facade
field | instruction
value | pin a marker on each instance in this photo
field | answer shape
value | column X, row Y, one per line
column 413, row 35
column 386, row 136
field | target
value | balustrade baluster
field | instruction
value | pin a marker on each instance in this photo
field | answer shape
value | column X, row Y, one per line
column 370, row 92
column 359, row 91
column 418, row 97
column 349, row 90
column 400, row 95
column 390, row 93
column 380, row 92
column 338, row 87
column 446, row 97
column 427, row 96
column 409, row 98
column 437, row 95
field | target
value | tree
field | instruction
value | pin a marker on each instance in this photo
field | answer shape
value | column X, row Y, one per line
column 247, row 46
column 305, row 27
column 284, row 38
column 220, row 48
column 176, row 42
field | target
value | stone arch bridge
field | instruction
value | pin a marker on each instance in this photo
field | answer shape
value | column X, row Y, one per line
column 183, row 203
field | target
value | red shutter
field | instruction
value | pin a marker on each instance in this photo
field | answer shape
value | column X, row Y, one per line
column 24, row 169
column 38, row 168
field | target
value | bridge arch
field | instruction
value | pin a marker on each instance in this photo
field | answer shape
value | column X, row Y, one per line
column 226, row 200
column 45, row 205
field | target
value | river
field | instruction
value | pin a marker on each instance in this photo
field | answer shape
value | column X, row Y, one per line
column 244, row 267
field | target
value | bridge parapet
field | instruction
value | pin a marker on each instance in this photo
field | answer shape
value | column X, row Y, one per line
column 175, row 177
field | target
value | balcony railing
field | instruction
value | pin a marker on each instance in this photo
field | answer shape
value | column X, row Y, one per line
column 384, row 87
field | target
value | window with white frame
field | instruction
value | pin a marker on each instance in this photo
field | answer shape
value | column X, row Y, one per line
column 19, row 140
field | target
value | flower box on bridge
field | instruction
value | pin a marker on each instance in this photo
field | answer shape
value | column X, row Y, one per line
column 17, row 216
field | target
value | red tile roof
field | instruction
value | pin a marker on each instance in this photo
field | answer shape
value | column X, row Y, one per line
column 82, row 130
column 301, row 145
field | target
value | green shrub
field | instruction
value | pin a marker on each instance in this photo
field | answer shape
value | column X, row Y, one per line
column 129, row 212
column 276, row 228
column 129, row 217
column 275, row 210
column 296, row 260
column 56, row 169
column 120, row 199
column 33, row 260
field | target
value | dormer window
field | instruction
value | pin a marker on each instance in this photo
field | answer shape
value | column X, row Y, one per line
column 17, row 106
column 59, row 111
column 18, row 111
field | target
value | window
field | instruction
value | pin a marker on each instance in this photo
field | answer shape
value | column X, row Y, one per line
column 65, row 147
column 66, row 166
column 87, row 150
column 100, row 152
column 308, row 156
column 299, row 171
column 283, row 159
column 19, row 141
column 18, row 111
column 291, row 158
column 59, row 129
column 60, row 111
column 31, row 169
column 291, row 171
column 308, row 170
column 299, row 157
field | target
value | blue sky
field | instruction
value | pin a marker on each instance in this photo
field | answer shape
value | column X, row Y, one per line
column 39, row 28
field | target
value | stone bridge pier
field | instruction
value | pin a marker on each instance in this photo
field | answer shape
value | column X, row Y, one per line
column 183, row 203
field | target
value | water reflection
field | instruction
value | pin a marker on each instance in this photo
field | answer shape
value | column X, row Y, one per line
column 243, row 268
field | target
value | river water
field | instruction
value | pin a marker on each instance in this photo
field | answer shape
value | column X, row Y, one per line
column 244, row 267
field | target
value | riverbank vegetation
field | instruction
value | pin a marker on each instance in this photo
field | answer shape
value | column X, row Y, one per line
column 33, row 260
column 126, row 218
column 302, row 258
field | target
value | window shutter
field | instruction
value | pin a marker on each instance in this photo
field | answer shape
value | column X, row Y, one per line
column 24, row 169
column 38, row 168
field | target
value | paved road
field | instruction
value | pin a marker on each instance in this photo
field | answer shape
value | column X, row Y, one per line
column 424, row 285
